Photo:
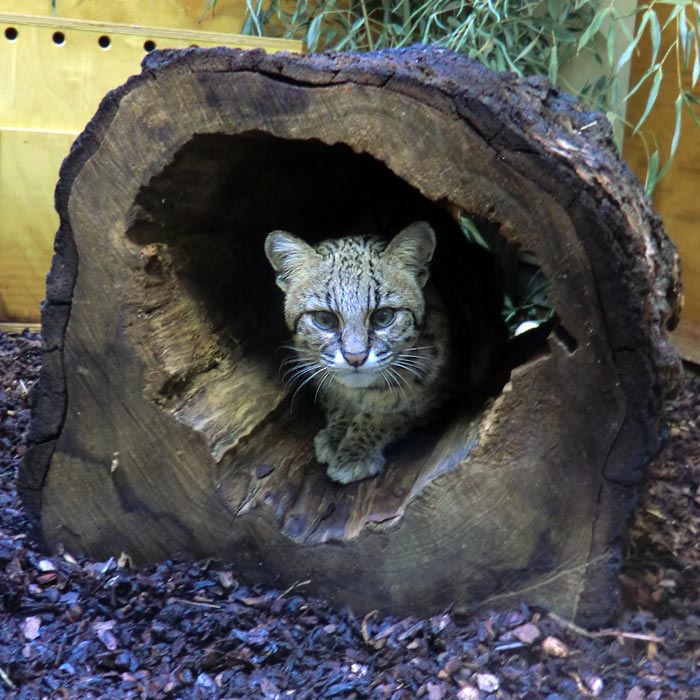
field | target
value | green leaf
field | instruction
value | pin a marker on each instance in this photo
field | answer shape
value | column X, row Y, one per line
column 611, row 43
column 553, row 64
column 313, row 33
column 682, row 26
column 655, row 30
column 677, row 127
column 651, row 100
column 593, row 27
column 252, row 22
column 672, row 17
column 627, row 53
column 696, row 69
column 563, row 34
column 688, row 100
column 689, row 97
column 471, row 231
column 526, row 50
column 652, row 174
column 687, row 54
column 641, row 81
column 676, row 137
column 553, row 8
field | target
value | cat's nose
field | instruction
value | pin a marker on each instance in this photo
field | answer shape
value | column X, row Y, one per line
column 355, row 358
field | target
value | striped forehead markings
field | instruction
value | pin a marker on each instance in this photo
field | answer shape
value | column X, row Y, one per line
column 352, row 278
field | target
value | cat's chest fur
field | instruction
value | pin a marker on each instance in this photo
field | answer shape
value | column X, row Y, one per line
column 368, row 335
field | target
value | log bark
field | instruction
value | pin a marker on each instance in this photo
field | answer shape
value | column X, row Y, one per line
column 160, row 424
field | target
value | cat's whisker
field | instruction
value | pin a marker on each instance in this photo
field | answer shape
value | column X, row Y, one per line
column 303, row 384
column 298, row 375
column 390, row 381
column 397, row 377
column 297, row 362
column 333, row 374
column 328, row 373
column 300, row 368
column 412, row 361
column 417, row 372
column 384, row 377
column 293, row 358
column 417, row 351
column 294, row 368
column 408, row 359
column 416, row 365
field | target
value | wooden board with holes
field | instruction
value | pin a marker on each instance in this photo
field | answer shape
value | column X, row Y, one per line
column 676, row 196
column 177, row 14
column 54, row 72
column 29, row 162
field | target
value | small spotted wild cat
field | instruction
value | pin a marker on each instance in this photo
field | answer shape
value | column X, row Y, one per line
column 369, row 334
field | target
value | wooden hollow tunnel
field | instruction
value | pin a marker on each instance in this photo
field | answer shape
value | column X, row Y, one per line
column 161, row 425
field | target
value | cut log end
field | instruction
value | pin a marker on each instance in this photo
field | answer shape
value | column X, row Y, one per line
column 164, row 425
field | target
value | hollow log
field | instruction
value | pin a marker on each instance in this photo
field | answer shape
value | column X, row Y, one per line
column 161, row 426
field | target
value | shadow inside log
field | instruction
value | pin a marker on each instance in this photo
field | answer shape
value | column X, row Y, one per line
column 210, row 318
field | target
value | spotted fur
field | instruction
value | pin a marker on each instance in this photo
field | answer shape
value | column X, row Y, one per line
column 369, row 335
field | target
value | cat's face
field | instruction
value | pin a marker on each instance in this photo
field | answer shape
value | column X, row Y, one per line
column 354, row 305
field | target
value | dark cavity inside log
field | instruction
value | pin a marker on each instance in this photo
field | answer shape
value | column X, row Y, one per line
column 211, row 316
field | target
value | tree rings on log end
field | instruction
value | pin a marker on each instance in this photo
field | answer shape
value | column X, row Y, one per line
column 177, row 434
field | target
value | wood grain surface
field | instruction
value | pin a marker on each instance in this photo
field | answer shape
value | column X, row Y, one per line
column 161, row 425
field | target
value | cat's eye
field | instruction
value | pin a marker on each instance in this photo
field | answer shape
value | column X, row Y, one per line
column 382, row 317
column 325, row 320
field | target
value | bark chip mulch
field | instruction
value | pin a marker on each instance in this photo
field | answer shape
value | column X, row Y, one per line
column 77, row 628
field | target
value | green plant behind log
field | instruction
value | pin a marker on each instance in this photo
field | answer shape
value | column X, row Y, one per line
column 525, row 36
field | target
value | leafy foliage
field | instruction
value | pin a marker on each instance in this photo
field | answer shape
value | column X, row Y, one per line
column 525, row 36
column 526, row 301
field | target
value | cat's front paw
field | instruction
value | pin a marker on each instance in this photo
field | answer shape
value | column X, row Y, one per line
column 345, row 469
column 323, row 447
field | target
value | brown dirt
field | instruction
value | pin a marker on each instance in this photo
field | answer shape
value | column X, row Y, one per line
column 84, row 629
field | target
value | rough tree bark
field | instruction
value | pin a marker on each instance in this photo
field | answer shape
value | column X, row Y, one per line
column 161, row 426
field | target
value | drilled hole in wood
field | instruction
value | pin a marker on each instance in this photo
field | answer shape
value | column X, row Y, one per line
column 11, row 33
column 59, row 38
column 149, row 45
column 104, row 42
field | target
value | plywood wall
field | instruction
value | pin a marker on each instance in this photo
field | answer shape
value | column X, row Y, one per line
column 54, row 71
column 677, row 197
column 176, row 14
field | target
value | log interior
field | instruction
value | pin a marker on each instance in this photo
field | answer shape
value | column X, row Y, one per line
column 211, row 319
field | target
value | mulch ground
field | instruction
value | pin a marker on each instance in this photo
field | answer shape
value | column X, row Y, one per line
column 83, row 629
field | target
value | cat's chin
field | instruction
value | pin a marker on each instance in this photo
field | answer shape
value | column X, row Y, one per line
column 358, row 380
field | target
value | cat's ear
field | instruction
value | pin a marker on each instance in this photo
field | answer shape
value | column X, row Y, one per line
column 287, row 254
column 414, row 247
